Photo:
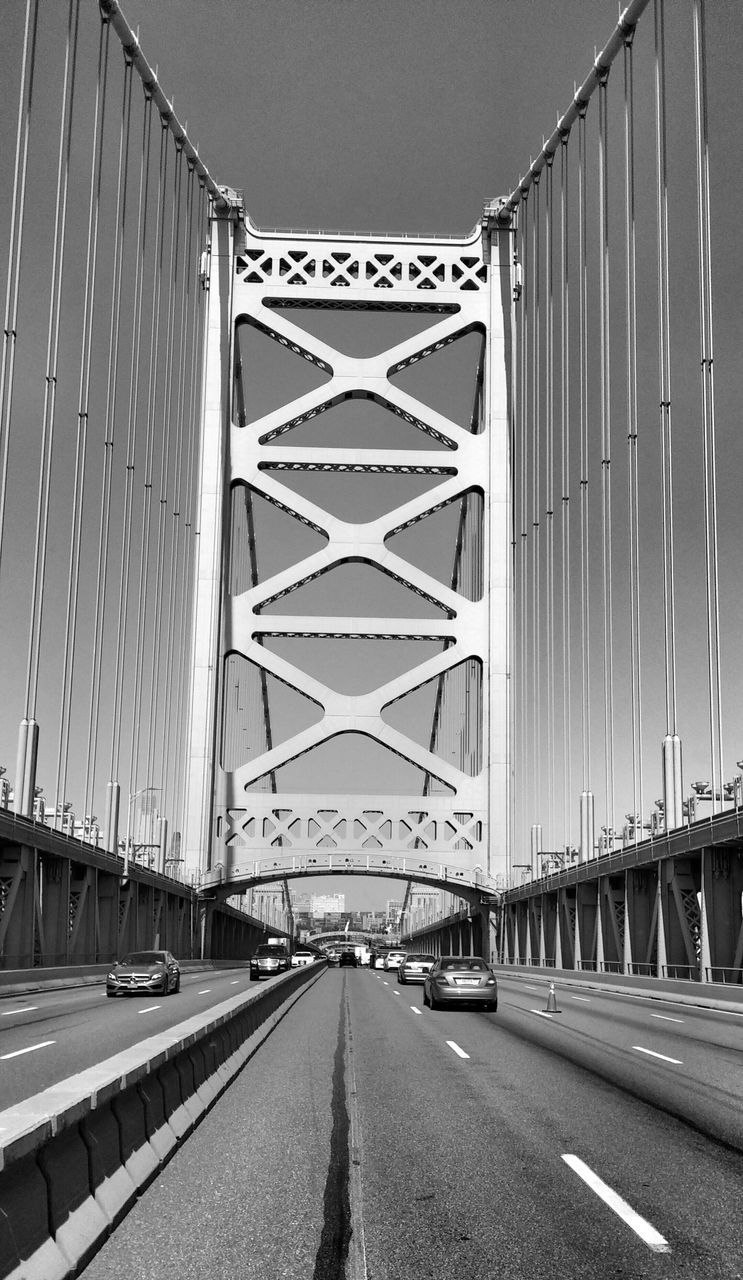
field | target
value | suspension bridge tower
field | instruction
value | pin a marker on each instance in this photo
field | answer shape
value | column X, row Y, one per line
column 450, row 290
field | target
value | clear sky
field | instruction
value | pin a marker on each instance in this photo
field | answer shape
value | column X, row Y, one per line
column 406, row 115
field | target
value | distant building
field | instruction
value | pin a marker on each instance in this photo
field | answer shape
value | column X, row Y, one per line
column 327, row 904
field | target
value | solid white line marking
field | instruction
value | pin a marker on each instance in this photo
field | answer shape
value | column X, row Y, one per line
column 541, row 1013
column 585, row 999
column 651, row 1053
column 149, row 1008
column 6, row 1013
column 453, row 1045
column 640, row 1226
column 665, row 1017
column 4, row 1056
column 415, row 1008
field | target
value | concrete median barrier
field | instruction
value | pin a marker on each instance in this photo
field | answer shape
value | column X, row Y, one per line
column 75, row 1157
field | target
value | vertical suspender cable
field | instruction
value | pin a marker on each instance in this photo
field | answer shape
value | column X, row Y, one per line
column 708, row 405
column 178, row 493
column 535, row 502
column 149, row 447
column 524, row 548
column 190, row 530
column 50, row 392
column 104, row 527
column 549, row 481
column 81, row 444
column 15, row 246
column 156, row 686
column 632, row 469
column 567, row 743
column 130, row 456
column 606, row 519
column 584, row 491
column 672, row 799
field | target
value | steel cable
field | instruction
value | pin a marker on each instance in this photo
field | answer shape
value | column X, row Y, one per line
column 708, row 407
column 142, row 611
column 632, row 443
column 52, row 358
column 606, row 513
column 133, row 386
column 584, row 476
column 15, row 248
column 565, row 473
column 81, row 442
column 550, row 503
column 664, row 361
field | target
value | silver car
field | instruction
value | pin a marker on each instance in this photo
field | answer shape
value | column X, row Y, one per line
column 461, row 980
column 415, row 966
column 150, row 971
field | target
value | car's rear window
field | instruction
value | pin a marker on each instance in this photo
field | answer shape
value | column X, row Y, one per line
column 478, row 966
column 419, row 958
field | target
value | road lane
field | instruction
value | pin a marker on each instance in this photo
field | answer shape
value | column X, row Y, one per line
column 705, row 1046
column 81, row 1026
column 465, row 1166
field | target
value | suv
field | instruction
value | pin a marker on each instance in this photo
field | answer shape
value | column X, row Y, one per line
column 269, row 959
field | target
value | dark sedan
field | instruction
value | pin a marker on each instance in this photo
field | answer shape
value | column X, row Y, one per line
column 461, row 980
column 350, row 958
column 156, row 972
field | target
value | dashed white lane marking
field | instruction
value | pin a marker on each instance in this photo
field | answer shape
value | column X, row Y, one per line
column 234, row 982
column 453, row 1045
column 652, row 1054
column 6, row 1013
column 584, row 999
column 395, row 993
column 526, row 988
column 149, row 1008
column 205, row 991
column 640, row 1226
column 385, row 983
column 415, row 1009
column 31, row 1048
column 541, row 1013
column 665, row 1018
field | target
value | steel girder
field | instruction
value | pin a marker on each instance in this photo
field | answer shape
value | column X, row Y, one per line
column 58, row 909
column 681, row 917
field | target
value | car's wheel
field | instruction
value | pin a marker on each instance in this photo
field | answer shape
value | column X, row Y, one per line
column 177, row 986
column 425, row 997
column 110, row 994
column 434, row 1002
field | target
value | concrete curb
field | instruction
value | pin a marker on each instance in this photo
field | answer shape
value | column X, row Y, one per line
column 74, row 1157
column 618, row 984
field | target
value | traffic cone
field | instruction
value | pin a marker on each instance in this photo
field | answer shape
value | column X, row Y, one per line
column 552, row 1001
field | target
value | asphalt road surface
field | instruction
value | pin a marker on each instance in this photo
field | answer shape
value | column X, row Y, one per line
column 372, row 1139
column 47, row 1036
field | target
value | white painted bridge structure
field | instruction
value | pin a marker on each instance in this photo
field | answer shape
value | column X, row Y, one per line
column 368, row 553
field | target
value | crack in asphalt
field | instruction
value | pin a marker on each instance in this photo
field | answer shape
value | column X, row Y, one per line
column 330, row 1262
